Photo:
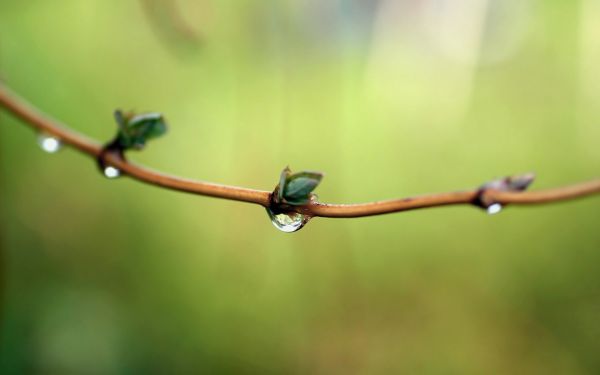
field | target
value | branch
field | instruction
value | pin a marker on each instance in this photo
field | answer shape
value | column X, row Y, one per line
column 471, row 197
column 489, row 194
column 43, row 123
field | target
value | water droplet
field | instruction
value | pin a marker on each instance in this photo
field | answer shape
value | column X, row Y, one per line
column 49, row 143
column 111, row 172
column 288, row 222
column 494, row 208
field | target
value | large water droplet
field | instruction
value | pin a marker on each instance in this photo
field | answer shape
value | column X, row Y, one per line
column 111, row 172
column 288, row 222
column 494, row 208
column 49, row 143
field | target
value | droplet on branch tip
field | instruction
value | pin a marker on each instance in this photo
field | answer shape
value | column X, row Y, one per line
column 288, row 222
column 494, row 209
column 49, row 143
column 111, row 172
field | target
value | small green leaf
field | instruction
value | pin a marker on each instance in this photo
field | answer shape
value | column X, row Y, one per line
column 285, row 173
column 295, row 189
column 299, row 186
column 121, row 120
column 135, row 130
column 298, row 202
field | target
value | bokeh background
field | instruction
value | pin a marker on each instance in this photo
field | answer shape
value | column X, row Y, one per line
column 390, row 98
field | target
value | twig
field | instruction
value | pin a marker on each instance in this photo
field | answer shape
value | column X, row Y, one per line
column 43, row 123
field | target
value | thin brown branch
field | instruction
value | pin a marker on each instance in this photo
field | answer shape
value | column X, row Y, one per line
column 43, row 123
column 460, row 197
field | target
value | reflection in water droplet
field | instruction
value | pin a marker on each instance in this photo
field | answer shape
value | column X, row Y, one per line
column 111, row 172
column 49, row 143
column 288, row 222
column 494, row 208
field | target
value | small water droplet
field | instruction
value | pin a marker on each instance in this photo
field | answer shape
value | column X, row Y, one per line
column 111, row 172
column 288, row 222
column 494, row 208
column 49, row 143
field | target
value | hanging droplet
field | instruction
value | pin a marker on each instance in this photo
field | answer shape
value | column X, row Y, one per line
column 494, row 208
column 111, row 172
column 49, row 143
column 288, row 222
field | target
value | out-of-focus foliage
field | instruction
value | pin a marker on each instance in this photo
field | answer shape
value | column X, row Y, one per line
column 390, row 98
column 135, row 130
column 296, row 188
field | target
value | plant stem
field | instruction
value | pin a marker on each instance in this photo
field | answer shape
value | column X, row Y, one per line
column 43, row 123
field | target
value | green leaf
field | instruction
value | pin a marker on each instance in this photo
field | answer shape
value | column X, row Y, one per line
column 136, row 130
column 285, row 173
column 121, row 120
column 298, row 202
column 299, row 186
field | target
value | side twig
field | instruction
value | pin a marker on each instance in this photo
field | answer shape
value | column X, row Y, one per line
column 43, row 123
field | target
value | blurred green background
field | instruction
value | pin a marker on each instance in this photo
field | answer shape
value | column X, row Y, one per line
column 389, row 98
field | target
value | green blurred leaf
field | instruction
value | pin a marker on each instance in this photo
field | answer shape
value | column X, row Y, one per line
column 285, row 173
column 136, row 130
column 298, row 187
column 120, row 119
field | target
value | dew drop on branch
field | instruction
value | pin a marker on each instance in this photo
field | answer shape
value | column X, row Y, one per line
column 494, row 208
column 49, row 143
column 111, row 172
column 288, row 222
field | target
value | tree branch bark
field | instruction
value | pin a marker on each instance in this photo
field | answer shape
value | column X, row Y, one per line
column 33, row 117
